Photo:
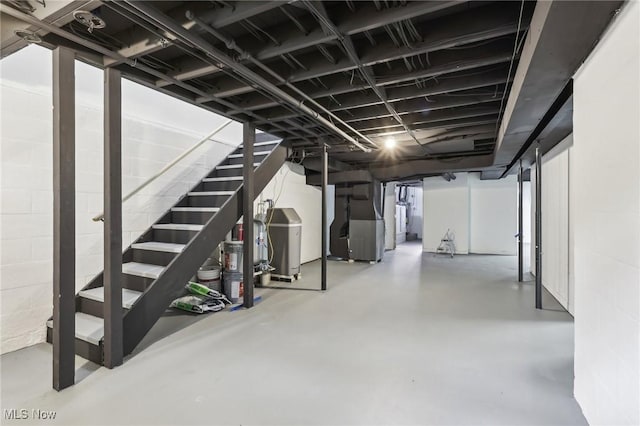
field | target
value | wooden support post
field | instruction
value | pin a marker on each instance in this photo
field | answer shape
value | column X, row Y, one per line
column 64, row 212
column 113, row 312
column 248, row 140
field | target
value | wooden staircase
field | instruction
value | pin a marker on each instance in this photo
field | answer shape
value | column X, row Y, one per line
column 157, row 265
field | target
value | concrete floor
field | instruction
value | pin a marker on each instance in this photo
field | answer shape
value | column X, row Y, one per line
column 416, row 339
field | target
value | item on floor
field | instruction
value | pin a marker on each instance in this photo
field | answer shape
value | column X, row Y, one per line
column 265, row 278
column 210, row 276
column 201, row 290
column 284, row 228
column 447, row 244
column 233, row 256
column 233, row 286
column 198, row 304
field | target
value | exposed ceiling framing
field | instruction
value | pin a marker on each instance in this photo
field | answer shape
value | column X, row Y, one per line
column 435, row 75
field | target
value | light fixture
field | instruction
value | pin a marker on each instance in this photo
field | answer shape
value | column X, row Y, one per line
column 28, row 36
column 89, row 20
column 390, row 143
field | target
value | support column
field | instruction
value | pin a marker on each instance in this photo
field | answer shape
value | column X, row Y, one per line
column 113, row 312
column 323, row 274
column 248, row 140
column 538, row 229
column 520, row 226
column 64, row 212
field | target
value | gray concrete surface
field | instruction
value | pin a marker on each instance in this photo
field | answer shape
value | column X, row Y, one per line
column 416, row 339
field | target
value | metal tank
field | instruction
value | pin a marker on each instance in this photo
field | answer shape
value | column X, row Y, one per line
column 284, row 228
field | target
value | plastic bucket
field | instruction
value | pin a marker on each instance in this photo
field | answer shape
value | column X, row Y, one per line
column 233, row 286
column 233, row 256
column 210, row 276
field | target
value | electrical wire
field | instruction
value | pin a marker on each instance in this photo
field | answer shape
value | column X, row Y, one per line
column 513, row 57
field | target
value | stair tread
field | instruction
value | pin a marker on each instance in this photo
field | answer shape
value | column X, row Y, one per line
column 159, row 246
column 234, row 166
column 195, row 209
column 254, row 154
column 222, row 179
column 205, row 193
column 88, row 328
column 178, row 226
column 142, row 269
column 129, row 297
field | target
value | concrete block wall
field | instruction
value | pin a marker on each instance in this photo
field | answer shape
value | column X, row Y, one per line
column 482, row 214
column 493, row 215
column 156, row 129
column 446, row 206
column 606, row 169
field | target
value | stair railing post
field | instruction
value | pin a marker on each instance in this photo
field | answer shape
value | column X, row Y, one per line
column 248, row 140
column 64, row 212
column 113, row 312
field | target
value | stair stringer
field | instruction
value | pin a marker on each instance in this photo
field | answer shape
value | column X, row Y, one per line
column 170, row 284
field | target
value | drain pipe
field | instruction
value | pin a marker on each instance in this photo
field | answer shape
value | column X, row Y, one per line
column 538, row 229
column 253, row 78
column 231, row 45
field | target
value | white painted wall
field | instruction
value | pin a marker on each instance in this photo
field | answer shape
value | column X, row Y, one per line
column 556, row 208
column 156, row 129
column 482, row 214
column 446, row 206
column 288, row 188
column 606, row 171
column 493, row 215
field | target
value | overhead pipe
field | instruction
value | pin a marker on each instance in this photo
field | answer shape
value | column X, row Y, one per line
column 231, row 45
column 203, row 94
column 113, row 55
column 253, row 78
column 350, row 49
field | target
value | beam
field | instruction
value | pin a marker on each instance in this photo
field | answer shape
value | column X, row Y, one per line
column 421, row 104
column 141, row 42
column 432, row 117
column 460, row 29
column 442, row 62
column 429, row 117
column 444, row 126
column 317, row 9
column 368, row 18
column 113, row 312
column 58, row 13
column 64, row 213
column 248, row 140
column 417, row 168
column 562, row 35
column 432, row 88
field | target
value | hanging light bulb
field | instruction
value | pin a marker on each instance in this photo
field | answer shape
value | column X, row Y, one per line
column 390, row 143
